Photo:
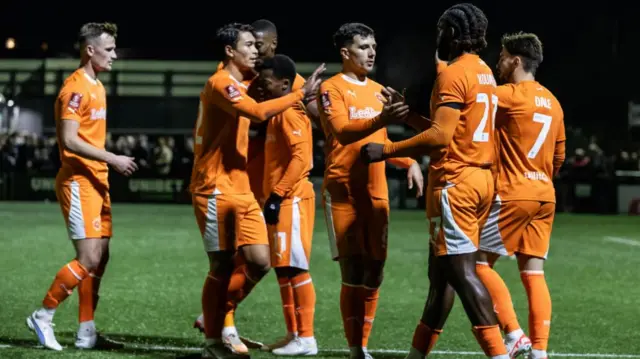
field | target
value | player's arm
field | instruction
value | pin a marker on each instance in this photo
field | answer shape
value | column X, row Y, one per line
column 72, row 105
column 437, row 136
column 401, row 162
column 451, row 89
column 294, row 130
column 334, row 110
column 74, row 144
column 559, row 153
column 225, row 93
column 417, row 121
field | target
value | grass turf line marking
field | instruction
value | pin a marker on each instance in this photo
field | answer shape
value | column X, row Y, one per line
column 620, row 240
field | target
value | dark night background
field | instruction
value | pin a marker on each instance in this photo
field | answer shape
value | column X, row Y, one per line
column 590, row 51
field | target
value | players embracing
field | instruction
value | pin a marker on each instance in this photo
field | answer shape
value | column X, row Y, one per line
column 228, row 215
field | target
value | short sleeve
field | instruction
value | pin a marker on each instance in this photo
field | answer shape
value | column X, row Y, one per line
column 451, row 86
column 332, row 105
column 72, row 104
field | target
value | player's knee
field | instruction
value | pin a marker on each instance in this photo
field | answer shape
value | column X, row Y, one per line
column 90, row 260
column 258, row 258
column 374, row 274
column 352, row 270
column 221, row 262
column 259, row 265
column 529, row 263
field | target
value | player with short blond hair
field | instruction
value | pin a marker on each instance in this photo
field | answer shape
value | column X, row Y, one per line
column 82, row 187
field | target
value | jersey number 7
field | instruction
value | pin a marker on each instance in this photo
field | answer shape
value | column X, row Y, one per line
column 545, row 120
column 479, row 135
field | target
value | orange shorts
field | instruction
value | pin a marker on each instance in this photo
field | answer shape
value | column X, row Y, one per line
column 85, row 208
column 228, row 222
column 290, row 239
column 518, row 227
column 357, row 227
column 457, row 213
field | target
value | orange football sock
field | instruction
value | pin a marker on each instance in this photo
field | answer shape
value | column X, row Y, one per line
column 88, row 295
column 86, row 298
column 288, row 304
column 349, row 304
column 304, row 295
column 229, row 320
column 490, row 339
column 370, row 298
column 539, row 308
column 214, row 298
column 425, row 338
column 502, row 304
column 67, row 278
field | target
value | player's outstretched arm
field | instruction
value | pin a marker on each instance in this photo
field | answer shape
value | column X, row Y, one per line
column 228, row 97
column 439, row 135
column 417, row 121
column 74, row 144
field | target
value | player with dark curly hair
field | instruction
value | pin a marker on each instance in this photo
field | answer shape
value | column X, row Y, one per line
column 461, row 145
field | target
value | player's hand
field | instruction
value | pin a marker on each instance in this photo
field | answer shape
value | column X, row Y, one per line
column 272, row 209
column 394, row 112
column 372, row 152
column 312, row 84
column 415, row 179
column 124, row 165
column 392, row 96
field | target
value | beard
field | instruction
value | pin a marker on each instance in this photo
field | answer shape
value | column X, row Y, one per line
column 444, row 50
column 505, row 76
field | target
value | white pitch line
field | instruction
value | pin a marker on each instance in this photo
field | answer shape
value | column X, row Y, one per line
column 373, row 351
column 627, row 241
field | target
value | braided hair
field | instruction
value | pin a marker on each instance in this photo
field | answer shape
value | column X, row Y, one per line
column 470, row 25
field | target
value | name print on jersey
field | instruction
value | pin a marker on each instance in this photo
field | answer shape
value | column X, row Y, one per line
column 486, row 79
column 543, row 102
column 365, row 113
column 100, row 114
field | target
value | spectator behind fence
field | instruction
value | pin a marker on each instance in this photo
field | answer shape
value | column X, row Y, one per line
column 163, row 157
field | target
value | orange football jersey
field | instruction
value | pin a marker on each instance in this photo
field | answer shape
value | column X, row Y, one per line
column 222, row 134
column 344, row 99
column 470, row 82
column 289, row 155
column 530, row 124
column 83, row 99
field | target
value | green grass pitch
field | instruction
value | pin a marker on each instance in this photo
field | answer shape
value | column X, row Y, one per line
column 150, row 293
